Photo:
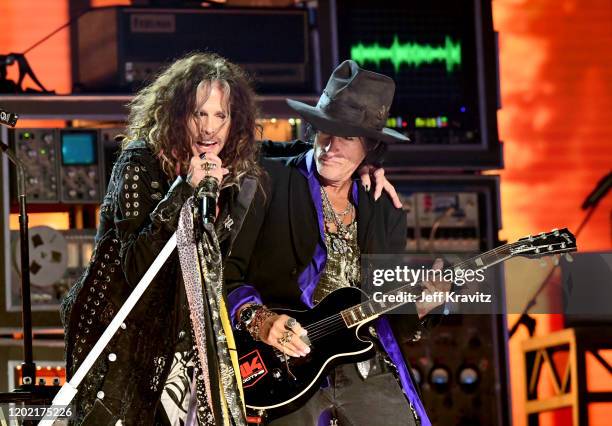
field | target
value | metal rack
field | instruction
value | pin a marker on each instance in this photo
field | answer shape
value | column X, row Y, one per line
column 113, row 107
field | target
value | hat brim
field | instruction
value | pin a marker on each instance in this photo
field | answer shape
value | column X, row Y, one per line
column 321, row 121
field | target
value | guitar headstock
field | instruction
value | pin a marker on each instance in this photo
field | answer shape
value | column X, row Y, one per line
column 545, row 244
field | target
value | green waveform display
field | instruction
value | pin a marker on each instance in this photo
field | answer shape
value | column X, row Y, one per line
column 413, row 54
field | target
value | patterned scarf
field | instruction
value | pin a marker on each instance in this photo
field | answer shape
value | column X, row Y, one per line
column 218, row 390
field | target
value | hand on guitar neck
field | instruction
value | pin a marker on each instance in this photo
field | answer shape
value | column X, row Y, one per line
column 430, row 288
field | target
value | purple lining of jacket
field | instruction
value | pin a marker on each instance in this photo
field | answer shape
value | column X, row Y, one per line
column 309, row 278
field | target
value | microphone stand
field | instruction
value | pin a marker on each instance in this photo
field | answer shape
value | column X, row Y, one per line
column 28, row 366
column 525, row 319
column 70, row 388
column 28, row 391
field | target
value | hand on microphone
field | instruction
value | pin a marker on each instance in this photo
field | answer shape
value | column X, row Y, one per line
column 208, row 164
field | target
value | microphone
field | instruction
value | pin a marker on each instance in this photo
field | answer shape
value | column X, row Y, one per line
column 8, row 118
column 207, row 194
column 600, row 191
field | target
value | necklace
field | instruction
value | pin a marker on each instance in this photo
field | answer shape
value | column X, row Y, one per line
column 347, row 210
column 339, row 240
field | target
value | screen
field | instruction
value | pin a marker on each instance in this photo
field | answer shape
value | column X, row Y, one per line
column 79, row 148
column 429, row 49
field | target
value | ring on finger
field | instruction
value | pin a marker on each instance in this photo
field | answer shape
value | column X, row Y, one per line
column 208, row 166
column 290, row 323
column 286, row 338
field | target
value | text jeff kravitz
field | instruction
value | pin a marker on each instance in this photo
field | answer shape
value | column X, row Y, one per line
column 431, row 297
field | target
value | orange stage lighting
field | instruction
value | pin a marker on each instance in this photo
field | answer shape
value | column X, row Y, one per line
column 556, row 89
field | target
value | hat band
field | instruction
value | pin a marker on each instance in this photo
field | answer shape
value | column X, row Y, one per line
column 353, row 114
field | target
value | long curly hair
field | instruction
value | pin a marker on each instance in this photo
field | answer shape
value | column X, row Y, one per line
column 159, row 114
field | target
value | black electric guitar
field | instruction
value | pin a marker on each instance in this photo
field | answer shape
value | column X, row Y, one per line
column 276, row 384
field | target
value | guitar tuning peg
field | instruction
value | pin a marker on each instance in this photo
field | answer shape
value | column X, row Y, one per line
column 569, row 257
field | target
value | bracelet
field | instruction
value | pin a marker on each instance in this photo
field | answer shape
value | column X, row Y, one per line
column 260, row 316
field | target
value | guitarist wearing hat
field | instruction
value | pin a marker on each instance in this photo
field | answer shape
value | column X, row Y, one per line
column 305, row 241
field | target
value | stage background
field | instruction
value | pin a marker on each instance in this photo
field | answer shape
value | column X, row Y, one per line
column 556, row 92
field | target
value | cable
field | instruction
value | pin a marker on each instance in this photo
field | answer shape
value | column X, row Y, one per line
column 48, row 36
column 435, row 226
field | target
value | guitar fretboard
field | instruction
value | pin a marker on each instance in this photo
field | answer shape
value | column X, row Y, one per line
column 556, row 241
column 369, row 309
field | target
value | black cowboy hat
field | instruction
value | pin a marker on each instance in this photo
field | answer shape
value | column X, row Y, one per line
column 355, row 102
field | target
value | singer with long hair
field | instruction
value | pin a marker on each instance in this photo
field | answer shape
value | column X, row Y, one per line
column 195, row 122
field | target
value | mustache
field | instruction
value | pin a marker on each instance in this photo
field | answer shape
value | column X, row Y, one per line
column 325, row 155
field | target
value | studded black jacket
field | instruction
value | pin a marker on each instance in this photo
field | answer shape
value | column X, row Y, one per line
column 137, row 217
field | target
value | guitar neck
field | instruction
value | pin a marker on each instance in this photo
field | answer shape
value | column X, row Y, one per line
column 370, row 309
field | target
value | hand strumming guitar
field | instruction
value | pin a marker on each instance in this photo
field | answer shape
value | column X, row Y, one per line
column 280, row 331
